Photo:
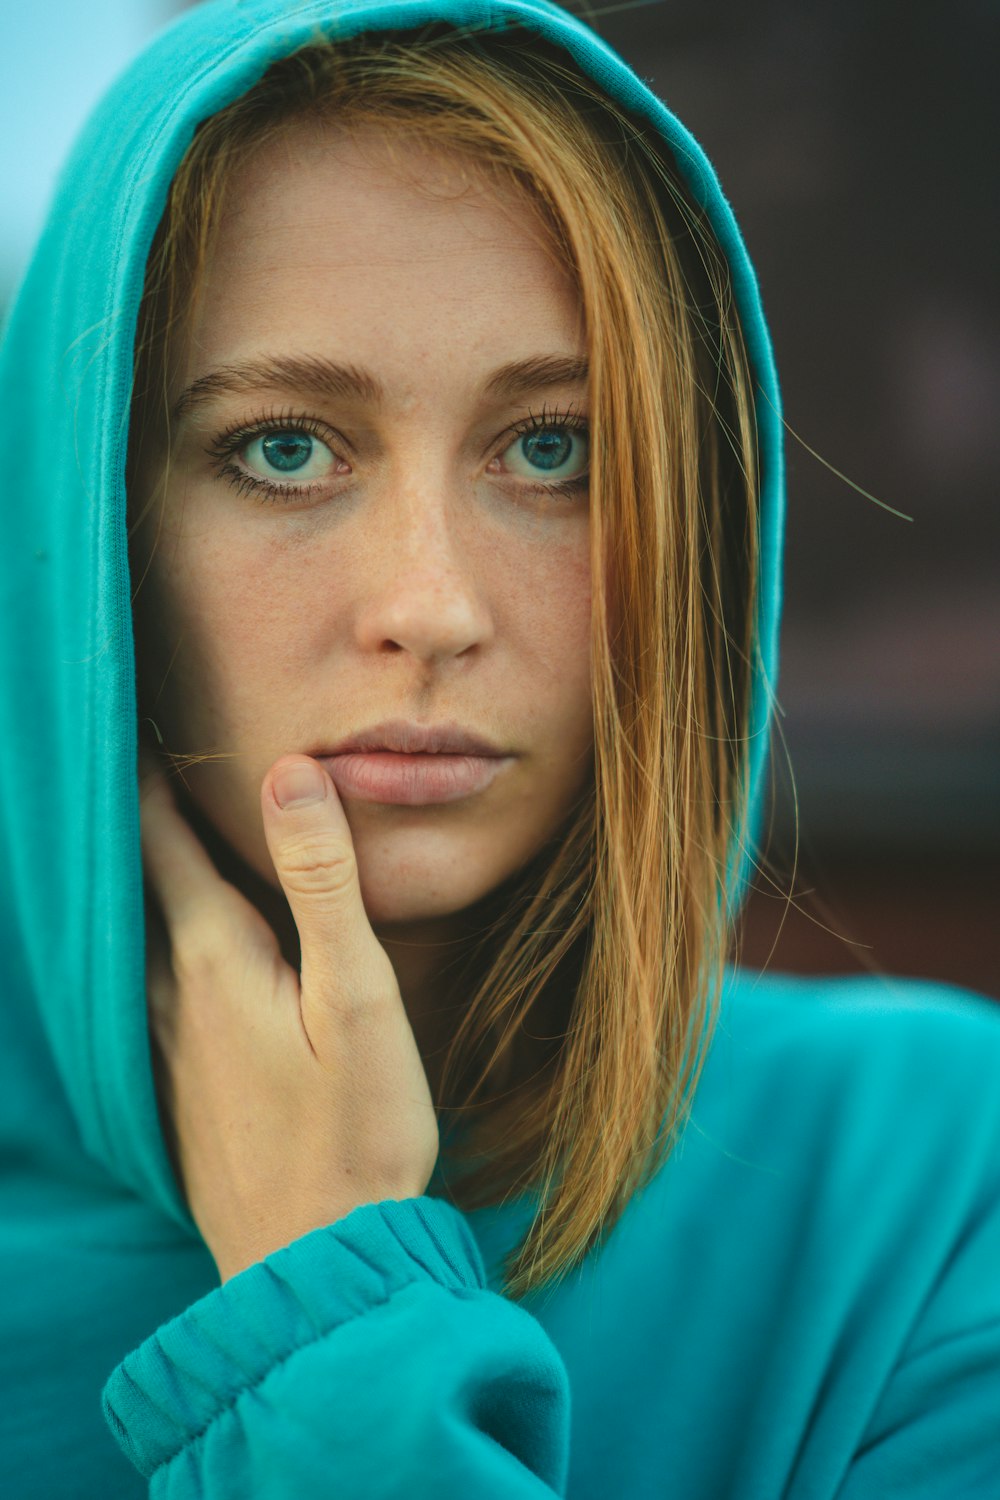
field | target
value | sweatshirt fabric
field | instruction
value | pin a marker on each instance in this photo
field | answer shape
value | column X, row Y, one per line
column 805, row 1301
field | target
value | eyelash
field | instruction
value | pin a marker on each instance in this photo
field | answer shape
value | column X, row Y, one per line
column 224, row 448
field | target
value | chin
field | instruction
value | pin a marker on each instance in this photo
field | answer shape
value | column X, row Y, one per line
column 407, row 874
column 397, row 900
column 428, row 868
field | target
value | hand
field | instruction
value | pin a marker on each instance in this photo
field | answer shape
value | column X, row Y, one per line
column 288, row 1100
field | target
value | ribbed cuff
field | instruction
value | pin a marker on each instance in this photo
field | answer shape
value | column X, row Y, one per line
column 170, row 1389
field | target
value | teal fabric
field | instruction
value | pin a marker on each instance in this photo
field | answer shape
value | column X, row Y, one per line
column 806, row 1300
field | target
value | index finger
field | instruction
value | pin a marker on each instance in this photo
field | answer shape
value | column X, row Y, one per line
column 184, row 879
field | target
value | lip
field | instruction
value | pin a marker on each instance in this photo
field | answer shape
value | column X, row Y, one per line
column 390, row 776
column 408, row 738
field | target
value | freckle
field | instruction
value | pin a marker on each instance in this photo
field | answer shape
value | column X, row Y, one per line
column 297, row 536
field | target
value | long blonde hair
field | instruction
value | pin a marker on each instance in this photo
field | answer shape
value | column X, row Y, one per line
column 591, row 995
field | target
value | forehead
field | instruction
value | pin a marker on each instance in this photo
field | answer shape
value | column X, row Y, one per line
column 383, row 247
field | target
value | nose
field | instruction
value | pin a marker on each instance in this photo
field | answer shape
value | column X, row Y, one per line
column 421, row 588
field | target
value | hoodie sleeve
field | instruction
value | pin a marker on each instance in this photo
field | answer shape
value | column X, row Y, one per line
column 367, row 1359
column 935, row 1430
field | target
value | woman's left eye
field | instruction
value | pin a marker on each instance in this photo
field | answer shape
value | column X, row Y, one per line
column 288, row 454
column 553, row 451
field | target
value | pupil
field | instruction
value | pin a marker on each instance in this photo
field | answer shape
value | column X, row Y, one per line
column 287, row 450
column 548, row 448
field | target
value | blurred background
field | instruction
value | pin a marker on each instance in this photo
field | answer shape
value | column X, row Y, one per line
column 856, row 141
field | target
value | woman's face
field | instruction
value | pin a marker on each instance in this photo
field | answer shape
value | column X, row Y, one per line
column 418, row 563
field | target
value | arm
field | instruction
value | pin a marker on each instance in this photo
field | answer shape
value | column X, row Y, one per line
column 354, row 1347
column 366, row 1359
column 936, row 1429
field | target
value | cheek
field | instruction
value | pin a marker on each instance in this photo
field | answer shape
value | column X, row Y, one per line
column 555, row 609
column 548, row 615
column 210, row 624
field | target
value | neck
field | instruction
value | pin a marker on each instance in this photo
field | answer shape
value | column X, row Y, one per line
column 426, row 957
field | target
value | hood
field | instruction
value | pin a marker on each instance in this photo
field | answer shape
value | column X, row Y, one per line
column 71, row 895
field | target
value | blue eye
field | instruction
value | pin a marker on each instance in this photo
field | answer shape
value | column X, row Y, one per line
column 289, row 452
column 557, row 450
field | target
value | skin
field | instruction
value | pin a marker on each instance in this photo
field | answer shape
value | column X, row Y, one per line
column 424, row 578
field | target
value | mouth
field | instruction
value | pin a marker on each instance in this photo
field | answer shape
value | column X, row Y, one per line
column 412, row 779
column 406, row 737
column 409, row 764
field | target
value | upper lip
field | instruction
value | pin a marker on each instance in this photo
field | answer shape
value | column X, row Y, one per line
column 409, row 738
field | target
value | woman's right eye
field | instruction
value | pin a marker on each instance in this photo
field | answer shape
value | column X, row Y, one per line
column 288, row 454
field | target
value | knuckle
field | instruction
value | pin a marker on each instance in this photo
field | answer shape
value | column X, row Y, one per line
column 349, row 1008
column 199, row 945
column 413, row 1165
column 193, row 958
column 349, row 1002
column 318, row 867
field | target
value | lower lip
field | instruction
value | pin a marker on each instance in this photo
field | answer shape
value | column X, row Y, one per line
column 412, row 780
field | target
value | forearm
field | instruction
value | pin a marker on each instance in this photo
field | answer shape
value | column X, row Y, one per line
column 368, row 1358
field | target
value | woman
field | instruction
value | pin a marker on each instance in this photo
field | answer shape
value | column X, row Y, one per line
column 381, row 1120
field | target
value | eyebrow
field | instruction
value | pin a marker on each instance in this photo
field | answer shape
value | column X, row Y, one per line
column 324, row 377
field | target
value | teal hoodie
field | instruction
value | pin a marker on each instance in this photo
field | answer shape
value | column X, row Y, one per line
column 804, row 1302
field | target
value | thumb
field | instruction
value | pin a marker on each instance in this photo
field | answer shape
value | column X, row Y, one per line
column 310, row 843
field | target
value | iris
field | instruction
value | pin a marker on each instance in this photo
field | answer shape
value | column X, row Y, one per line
column 548, row 448
column 287, row 451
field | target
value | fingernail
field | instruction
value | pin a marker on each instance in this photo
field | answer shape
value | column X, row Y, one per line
column 298, row 785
